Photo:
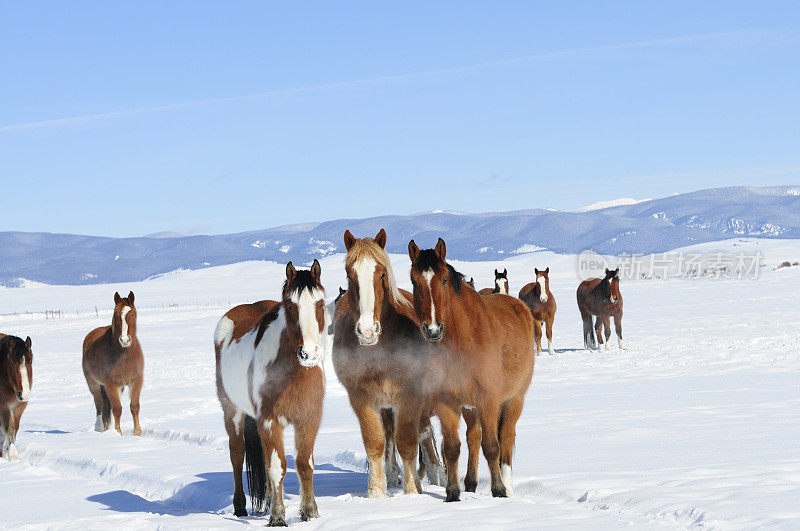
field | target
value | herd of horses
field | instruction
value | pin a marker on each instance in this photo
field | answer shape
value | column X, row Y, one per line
column 443, row 349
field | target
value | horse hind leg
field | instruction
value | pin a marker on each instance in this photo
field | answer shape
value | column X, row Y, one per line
column 275, row 463
column 598, row 329
column 473, row 447
column 102, row 406
column 512, row 410
column 537, row 336
column 390, row 466
column 550, row 347
column 607, row 330
column 451, row 447
column 429, row 461
column 407, row 444
column 136, row 390
column 618, row 326
column 234, row 425
column 588, row 331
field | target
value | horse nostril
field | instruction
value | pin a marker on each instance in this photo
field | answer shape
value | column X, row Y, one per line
column 20, row 397
column 377, row 327
column 301, row 353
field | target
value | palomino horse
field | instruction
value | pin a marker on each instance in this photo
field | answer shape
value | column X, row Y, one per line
column 380, row 359
column 601, row 297
column 500, row 283
column 269, row 375
column 540, row 300
column 113, row 360
column 16, row 380
column 483, row 358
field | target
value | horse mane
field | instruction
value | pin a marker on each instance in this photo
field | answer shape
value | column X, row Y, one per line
column 364, row 248
column 428, row 259
column 302, row 280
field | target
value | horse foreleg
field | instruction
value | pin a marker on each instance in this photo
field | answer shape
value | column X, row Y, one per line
column 234, row 425
column 305, row 434
column 473, row 447
column 451, row 447
column 508, row 434
column 116, row 405
column 275, row 463
column 97, row 393
column 489, row 413
column 407, row 443
column 136, row 391
column 8, row 449
column 598, row 329
column 537, row 336
column 374, row 439
column 607, row 331
column 618, row 326
column 588, row 331
column 390, row 466
column 549, row 324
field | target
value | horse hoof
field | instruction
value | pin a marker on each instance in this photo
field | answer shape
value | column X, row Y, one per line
column 453, row 496
column 277, row 521
column 375, row 492
column 138, row 432
column 499, row 492
column 240, row 512
column 470, row 484
column 307, row 513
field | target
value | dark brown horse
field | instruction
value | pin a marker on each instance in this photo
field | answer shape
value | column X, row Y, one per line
column 380, row 359
column 542, row 304
column 483, row 358
column 500, row 283
column 113, row 360
column 16, row 380
column 269, row 358
column 601, row 297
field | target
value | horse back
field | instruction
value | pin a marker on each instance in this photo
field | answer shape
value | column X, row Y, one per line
column 243, row 318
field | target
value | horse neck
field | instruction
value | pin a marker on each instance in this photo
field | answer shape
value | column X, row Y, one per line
column 392, row 308
column 458, row 317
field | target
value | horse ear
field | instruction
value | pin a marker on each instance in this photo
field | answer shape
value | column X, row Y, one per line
column 316, row 269
column 117, row 298
column 130, row 297
column 505, row 272
column 607, row 271
column 413, row 251
column 547, row 271
column 342, row 291
column 536, row 270
column 28, row 342
column 440, row 249
column 349, row 239
column 291, row 272
column 616, row 272
column 380, row 238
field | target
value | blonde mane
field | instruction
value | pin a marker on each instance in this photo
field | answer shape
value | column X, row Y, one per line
column 364, row 248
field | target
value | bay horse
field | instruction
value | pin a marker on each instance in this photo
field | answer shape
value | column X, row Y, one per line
column 380, row 359
column 500, row 283
column 16, row 380
column 483, row 358
column 113, row 360
column 540, row 300
column 601, row 297
column 269, row 358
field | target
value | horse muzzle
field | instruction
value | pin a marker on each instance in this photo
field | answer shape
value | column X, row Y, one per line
column 368, row 336
column 309, row 357
column 434, row 332
column 543, row 298
column 125, row 342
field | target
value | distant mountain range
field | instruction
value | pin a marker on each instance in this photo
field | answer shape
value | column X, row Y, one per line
column 655, row 225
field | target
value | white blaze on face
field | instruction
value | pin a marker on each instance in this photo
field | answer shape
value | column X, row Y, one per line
column 542, row 291
column 365, row 275
column 611, row 286
column 26, row 384
column 313, row 343
column 501, row 284
column 124, row 339
column 428, row 275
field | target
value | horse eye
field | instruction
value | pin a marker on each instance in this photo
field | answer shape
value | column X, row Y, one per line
column 383, row 276
column 444, row 282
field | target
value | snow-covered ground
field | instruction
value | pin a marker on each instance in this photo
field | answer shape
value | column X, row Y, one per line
column 697, row 424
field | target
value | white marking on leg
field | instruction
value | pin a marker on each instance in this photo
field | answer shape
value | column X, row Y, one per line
column 237, row 420
column 550, row 347
column 365, row 274
column 124, row 339
column 99, row 425
column 275, row 471
column 505, row 475
column 621, row 344
column 13, row 455
column 26, row 384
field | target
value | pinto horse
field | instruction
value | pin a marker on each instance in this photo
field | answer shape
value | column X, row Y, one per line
column 16, row 380
column 483, row 357
column 269, row 358
column 601, row 297
column 113, row 360
column 542, row 304
column 381, row 360
column 500, row 283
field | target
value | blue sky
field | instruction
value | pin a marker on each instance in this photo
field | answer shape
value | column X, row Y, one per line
column 212, row 117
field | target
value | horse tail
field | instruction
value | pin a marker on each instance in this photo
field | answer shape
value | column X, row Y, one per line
column 254, row 462
column 106, row 413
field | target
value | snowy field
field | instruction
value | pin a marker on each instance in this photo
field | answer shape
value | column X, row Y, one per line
column 696, row 425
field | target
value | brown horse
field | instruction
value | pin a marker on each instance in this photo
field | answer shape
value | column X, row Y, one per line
column 16, row 380
column 380, row 359
column 542, row 304
column 601, row 297
column 500, row 283
column 483, row 358
column 113, row 360
column 269, row 375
